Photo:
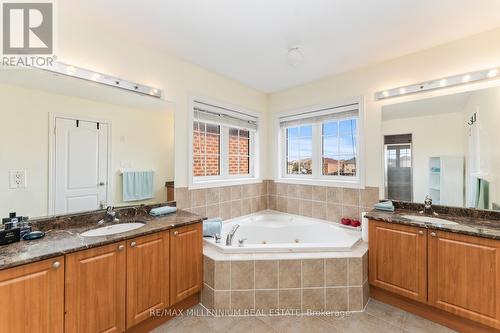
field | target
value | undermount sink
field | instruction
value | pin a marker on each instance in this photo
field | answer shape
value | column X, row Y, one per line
column 428, row 219
column 113, row 229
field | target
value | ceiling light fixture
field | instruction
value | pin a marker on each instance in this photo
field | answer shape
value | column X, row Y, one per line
column 295, row 56
column 89, row 75
column 447, row 82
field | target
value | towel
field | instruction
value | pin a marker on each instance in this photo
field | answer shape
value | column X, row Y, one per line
column 385, row 206
column 162, row 211
column 212, row 227
column 137, row 185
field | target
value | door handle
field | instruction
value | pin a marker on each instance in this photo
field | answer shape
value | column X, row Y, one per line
column 420, row 232
column 133, row 244
column 56, row 265
column 433, row 234
column 121, row 247
column 102, row 183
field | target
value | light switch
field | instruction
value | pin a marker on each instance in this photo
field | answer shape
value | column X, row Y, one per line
column 17, row 179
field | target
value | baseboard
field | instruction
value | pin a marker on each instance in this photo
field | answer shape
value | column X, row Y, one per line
column 431, row 313
column 153, row 322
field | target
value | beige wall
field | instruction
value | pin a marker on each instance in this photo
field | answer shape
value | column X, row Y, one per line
column 473, row 53
column 139, row 139
column 110, row 52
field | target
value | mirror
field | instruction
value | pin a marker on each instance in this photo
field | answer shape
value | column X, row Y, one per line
column 445, row 147
column 69, row 145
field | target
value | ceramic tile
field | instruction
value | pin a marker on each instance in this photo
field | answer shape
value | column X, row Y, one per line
column 222, row 275
column 266, row 300
column 212, row 195
column 319, row 193
column 336, row 272
column 350, row 196
column 242, row 275
column 198, row 198
column 242, row 300
column 313, row 273
column 290, row 274
column 319, row 210
column 290, row 299
column 334, row 195
column 313, row 299
column 336, row 299
column 266, row 274
column 355, row 272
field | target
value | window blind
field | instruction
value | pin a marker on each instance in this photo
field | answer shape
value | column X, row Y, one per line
column 319, row 116
column 221, row 116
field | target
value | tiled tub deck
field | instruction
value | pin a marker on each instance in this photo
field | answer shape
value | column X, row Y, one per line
column 285, row 282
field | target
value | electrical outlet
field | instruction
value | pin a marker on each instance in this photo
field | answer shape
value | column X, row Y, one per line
column 17, row 179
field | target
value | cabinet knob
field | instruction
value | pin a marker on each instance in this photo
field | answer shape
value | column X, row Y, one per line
column 420, row 232
column 56, row 265
column 133, row 244
column 433, row 234
column 176, row 233
column 121, row 247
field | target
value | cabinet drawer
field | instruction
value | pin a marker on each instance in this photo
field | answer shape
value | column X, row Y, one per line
column 186, row 262
column 398, row 259
column 464, row 276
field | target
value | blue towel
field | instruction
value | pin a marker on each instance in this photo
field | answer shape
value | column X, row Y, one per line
column 137, row 185
column 385, row 206
column 162, row 210
column 212, row 227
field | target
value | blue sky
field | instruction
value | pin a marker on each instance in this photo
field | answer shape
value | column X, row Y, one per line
column 339, row 140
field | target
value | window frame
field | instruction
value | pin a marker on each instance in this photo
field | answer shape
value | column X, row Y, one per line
column 317, row 177
column 224, row 179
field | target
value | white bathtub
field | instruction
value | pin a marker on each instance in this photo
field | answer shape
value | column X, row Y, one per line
column 271, row 231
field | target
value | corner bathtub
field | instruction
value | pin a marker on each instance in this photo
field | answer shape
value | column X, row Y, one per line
column 270, row 231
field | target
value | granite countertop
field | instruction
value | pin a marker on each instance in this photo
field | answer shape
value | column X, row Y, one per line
column 467, row 225
column 62, row 234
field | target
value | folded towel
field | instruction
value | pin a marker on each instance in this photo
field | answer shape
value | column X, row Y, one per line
column 212, row 227
column 137, row 185
column 385, row 206
column 162, row 211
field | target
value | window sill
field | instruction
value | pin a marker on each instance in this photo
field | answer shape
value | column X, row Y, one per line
column 223, row 182
column 322, row 182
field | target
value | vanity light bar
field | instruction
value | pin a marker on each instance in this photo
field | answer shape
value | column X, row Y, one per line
column 89, row 75
column 446, row 82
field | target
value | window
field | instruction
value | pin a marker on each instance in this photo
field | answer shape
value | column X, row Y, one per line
column 321, row 144
column 223, row 144
column 299, row 150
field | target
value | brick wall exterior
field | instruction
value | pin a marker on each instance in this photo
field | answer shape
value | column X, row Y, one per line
column 209, row 142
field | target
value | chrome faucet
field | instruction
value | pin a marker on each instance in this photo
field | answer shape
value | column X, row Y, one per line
column 428, row 206
column 230, row 235
column 110, row 216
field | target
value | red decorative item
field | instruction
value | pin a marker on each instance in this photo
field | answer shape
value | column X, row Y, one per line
column 355, row 223
column 346, row 221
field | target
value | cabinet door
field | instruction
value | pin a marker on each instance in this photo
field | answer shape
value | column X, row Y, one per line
column 147, row 276
column 398, row 259
column 32, row 297
column 464, row 276
column 186, row 262
column 95, row 290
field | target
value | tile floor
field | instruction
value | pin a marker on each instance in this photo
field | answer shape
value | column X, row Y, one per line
column 378, row 317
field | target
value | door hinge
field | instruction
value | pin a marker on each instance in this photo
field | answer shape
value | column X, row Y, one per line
column 77, row 123
column 97, row 126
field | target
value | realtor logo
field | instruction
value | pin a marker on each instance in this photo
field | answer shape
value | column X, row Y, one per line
column 27, row 28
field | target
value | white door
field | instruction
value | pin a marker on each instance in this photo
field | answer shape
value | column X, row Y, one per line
column 81, row 165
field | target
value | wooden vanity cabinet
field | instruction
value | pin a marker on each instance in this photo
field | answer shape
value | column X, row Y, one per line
column 456, row 273
column 186, row 262
column 95, row 290
column 32, row 297
column 398, row 259
column 147, row 276
column 464, row 276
